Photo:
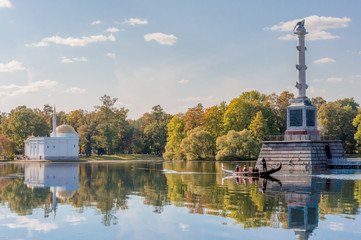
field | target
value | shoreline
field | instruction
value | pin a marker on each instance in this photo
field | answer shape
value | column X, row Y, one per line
column 97, row 159
column 80, row 161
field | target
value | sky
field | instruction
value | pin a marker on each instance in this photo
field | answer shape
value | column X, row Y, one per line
column 172, row 53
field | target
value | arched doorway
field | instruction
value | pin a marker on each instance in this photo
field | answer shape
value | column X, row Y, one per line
column 328, row 151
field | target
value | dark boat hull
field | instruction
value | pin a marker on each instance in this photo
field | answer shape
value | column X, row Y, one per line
column 253, row 174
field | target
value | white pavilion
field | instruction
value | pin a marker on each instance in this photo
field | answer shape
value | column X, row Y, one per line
column 63, row 144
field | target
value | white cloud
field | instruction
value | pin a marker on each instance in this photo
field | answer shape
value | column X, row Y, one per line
column 333, row 79
column 324, row 60
column 318, row 80
column 198, row 99
column 335, row 226
column 184, row 227
column 135, row 21
column 75, row 90
column 112, row 55
column 161, row 38
column 12, row 66
column 113, row 30
column 73, row 42
column 96, row 22
column 356, row 76
column 29, row 223
column 74, row 220
column 73, row 60
column 315, row 25
column 5, row 3
column 33, row 87
column 314, row 90
column 183, row 81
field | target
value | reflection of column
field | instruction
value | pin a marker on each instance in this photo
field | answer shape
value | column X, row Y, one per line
column 302, row 213
column 54, row 198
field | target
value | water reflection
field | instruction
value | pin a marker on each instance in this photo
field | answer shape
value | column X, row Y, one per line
column 61, row 179
column 295, row 202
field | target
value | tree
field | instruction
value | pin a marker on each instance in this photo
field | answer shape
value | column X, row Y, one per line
column 279, row 106
column 106, row 119
column 22, row 123
column 176, row 133
column 7, row 145
column 258, row 127
column 123, row 137
column 87, row 133
column 318, row 101
column 243, row 109
column 198, row 145
column 154, row 129
column 336, row 118
column 194, row 117
column 237, row 146
column 357, row 123
column 213, row 119
column 76, row 118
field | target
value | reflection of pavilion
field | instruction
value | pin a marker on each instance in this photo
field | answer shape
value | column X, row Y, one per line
column 62, row 179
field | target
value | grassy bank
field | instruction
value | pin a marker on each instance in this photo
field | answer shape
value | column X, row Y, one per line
column 356, row 155
column 121, row 157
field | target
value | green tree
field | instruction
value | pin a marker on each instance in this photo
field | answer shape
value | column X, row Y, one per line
column 318, row 101
column 76, row 118
column 243, row 109
column 279, row 106
column 137, row 139
column 22, row 123
column 87, row 133
column 258, row 127
column 155, row 131
column 107, row 123
column 176, row 133
column 7, row 146
column 336, row 118
column 123, row 138
column 213, row 119
column 237, row 146
column 198, row 145
column 357, row 123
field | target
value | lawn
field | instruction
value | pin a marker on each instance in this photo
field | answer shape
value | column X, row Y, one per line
column 121, row 157
column 355, row 155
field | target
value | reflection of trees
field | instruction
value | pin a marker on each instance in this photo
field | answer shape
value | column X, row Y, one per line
column 346, row 200
column 202, row 194
column 22, row 199
column 108, row 187
column 10, row 169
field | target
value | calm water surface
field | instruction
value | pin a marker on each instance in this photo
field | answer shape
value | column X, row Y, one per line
column 179, row 200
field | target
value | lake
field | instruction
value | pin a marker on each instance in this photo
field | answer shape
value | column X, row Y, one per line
column 174, row 200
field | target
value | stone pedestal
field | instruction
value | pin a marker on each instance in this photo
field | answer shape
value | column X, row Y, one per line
column 302, row 119
column 301, row 155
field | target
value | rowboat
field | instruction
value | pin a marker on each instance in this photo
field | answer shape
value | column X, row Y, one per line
column 253, row 174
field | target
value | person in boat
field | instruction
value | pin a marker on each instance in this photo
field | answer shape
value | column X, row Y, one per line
column 255, row 169
column 264, row 164
column 245, row 168
column 237, row 168
column 250, row 169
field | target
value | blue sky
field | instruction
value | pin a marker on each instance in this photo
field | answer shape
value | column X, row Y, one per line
column 172, row 53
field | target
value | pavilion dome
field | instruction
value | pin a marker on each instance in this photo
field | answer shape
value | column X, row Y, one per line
column 65, row 129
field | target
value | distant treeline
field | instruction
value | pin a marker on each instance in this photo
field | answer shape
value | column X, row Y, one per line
column 221, row 132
